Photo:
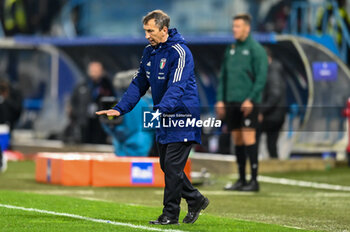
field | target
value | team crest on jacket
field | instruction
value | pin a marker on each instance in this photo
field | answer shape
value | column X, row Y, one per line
column 162, row 63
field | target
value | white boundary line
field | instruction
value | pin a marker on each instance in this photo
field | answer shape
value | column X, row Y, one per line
column 88, row 218
column 301, row 183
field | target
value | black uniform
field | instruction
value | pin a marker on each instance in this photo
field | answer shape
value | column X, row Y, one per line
column 273, row 107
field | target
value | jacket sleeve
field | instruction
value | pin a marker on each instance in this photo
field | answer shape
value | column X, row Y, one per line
column 222, row 76
column 135, row 91
column 274, row 88
column 180, row 71
column 260, row 65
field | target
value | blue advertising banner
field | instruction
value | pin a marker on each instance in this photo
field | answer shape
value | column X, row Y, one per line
column 142, row 173
column 325, row 71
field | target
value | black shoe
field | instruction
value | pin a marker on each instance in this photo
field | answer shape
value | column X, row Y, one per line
column 252, row 186
column 193, row 213
column 164, row 220
column 237, row 186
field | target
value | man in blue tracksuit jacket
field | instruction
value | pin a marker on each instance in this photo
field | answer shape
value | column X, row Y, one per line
column 167, row 67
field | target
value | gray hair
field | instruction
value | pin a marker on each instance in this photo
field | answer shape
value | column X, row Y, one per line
column 160, row 17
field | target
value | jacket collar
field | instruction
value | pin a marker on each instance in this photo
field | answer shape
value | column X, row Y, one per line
column 174, row 38
column 249, row 38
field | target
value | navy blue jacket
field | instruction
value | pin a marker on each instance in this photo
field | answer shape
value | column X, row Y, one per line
column 168, row 69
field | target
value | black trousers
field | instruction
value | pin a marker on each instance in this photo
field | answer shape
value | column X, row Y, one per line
column 272, row 130
column 173, row 158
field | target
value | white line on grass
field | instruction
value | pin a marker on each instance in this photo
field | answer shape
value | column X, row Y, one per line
column 88, row 218
column 300, row 183
column 216, row 193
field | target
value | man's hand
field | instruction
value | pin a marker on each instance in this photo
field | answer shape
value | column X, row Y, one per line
column 220, row 109
column 108, row 112
column 247, row 107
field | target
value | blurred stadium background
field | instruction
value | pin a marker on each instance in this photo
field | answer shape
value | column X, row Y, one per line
column 45, row 49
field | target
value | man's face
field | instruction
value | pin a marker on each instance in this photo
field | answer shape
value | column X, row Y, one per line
column 95, row 71
column 153, row 34
column 240, row 29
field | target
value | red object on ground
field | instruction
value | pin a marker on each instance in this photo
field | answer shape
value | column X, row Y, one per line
column 14, row 155
column 85, row 169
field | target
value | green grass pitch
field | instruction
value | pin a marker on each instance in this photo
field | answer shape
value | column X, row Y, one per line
column 275, row 208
